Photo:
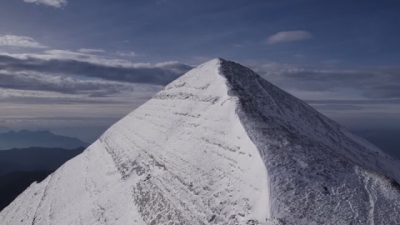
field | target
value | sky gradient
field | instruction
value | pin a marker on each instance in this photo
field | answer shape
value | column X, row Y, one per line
column 76, row 67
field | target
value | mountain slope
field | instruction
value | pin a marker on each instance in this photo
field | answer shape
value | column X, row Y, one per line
column 219, row 145
column 44, row 139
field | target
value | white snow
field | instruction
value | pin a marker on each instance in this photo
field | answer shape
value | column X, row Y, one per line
column 219, row 145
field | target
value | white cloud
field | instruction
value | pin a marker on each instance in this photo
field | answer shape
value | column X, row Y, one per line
column 19, row 41
column 358, row 83
column 60, row 54
column 65, row 62
column 289, row 36
column 91, row 50
column 52, row 3
column 126, row 54
column 64, row 54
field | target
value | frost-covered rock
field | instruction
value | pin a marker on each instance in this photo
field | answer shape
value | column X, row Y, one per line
column 220, row 145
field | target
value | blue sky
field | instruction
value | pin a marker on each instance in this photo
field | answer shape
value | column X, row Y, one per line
column 70, row 65
column 356, row 32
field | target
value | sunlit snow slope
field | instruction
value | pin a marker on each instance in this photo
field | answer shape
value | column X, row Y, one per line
column 219, row 145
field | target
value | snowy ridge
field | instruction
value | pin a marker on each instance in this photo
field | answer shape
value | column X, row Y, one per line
column 219, row 145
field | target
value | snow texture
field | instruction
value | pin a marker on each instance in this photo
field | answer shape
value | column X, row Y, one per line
column 220, row 145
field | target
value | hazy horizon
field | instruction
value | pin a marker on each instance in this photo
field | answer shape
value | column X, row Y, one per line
column 76, row 67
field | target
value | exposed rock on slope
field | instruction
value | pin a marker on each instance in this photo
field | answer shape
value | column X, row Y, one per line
column 219, row 145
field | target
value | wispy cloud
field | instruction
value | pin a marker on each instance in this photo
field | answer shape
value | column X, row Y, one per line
column 52, row 3
column 126, row 54
column 43, row 82
column 91, row 50
column 19, row 41
column 80, row 80
column 289, row 36
column 80, row 64
column 373, row 83
column 329, row 82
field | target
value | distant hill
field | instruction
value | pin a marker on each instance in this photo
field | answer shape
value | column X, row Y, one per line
column 45, row 139
column 35, row 159
column 387, row 140
column 13, row 184
column 19, row 168
column 4, row 130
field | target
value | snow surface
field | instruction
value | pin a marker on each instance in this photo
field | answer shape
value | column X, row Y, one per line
column 219, row 145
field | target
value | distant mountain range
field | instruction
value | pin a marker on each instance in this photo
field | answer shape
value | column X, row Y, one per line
column 45, row 139
column 4, row 130
column 387, row 140
column 35, row 159
column 19, row 168
column 13, row 184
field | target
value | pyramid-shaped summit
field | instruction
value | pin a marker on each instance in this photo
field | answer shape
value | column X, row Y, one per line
column 220, row 145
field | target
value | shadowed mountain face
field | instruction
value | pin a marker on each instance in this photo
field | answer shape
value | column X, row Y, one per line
column 219, row 145
column 45, row 139
column 34, row 159
column 13, row 184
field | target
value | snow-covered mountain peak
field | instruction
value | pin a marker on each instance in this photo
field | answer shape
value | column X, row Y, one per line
column 207, row 70
column 219, row 145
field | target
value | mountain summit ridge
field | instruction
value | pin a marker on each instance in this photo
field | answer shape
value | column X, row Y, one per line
column 219, row 145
